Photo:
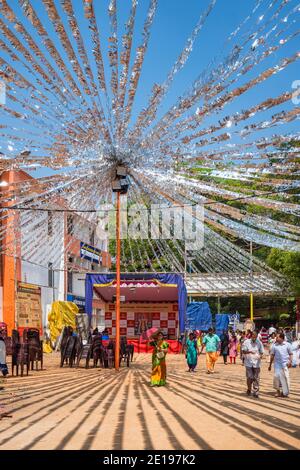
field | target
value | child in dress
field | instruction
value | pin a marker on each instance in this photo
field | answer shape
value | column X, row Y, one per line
column 233, row 348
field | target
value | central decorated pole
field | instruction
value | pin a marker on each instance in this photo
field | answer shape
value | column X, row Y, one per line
column 118, row 288
column 120, row 186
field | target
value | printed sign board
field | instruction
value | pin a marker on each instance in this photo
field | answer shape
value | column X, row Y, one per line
column 28, row 306
column 79, row 301
column 90, row 253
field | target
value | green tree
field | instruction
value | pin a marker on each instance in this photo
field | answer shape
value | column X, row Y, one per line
column 287, row 263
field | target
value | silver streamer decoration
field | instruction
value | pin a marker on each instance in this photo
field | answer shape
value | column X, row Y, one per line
column 65, row 112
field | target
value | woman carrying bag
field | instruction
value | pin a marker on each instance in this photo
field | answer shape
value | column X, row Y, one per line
column 159, row 369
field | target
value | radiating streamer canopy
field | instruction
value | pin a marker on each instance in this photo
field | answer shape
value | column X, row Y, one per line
column 226, row 139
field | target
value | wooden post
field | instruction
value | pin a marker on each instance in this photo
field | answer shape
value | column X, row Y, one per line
column 118, row 289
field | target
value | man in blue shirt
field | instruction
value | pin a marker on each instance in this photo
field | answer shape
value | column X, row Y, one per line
column 211, row 342
column 281, row 354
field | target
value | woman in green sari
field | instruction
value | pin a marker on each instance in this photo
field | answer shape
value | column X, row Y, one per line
column 191, row 352
column 159, row 369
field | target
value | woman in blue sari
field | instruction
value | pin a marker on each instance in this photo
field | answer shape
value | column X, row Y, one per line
column 191, row 352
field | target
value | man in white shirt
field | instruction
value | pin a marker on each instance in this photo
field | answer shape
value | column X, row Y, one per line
column 253, row 351
column 282, row 355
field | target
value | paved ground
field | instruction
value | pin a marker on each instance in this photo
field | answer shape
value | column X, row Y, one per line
column 101, row 409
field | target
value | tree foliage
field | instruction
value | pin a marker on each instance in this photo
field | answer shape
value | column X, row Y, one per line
column 287, row 263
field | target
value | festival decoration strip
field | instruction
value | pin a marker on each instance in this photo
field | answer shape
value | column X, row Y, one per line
column 60, row 115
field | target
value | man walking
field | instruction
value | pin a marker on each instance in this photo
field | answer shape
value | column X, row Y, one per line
column 281, row 353
column 211, row 342
column 253, row 351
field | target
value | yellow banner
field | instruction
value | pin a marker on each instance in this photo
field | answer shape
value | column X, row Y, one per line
column 62, row 314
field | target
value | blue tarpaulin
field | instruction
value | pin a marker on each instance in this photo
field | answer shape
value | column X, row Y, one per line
column 92, row 279
column 222, row 322
column 198, row 316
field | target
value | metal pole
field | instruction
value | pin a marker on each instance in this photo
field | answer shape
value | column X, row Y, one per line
column 118, row 289
column 190, row 271
column 251, row 306
column 251, row 274
column 15, row 280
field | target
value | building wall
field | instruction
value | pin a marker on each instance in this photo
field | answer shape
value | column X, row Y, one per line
column 39, row 276
column 79, row 284
column 32, row 245
column 83, row 233
column 164, row 316
column 78, row 279
column 10, row 260
column 82, row 230
column 39, row 247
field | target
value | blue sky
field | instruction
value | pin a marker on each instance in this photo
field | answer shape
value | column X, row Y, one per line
column 172, row 25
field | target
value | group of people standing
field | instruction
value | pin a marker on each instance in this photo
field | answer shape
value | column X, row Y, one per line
column 227, row 344
column 284, row 352
column 248, row 344
column 230, row 344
